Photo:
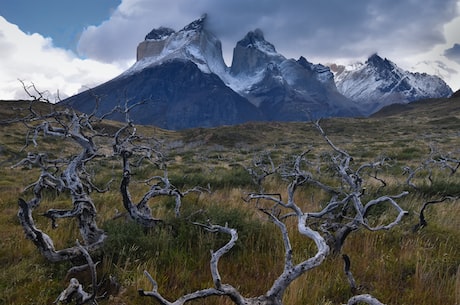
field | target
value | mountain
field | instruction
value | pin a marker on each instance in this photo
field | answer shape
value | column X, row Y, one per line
column 182, row 82
column 379, row 82
column 284, row 89
column 175, row 79
column 193, row 43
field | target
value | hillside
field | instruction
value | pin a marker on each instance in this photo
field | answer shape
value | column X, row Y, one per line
column 412, row 267
column 429, row 108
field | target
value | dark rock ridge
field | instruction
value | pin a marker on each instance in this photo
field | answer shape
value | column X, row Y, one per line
column 183, row 82
column 159, row 34
column 176, row 95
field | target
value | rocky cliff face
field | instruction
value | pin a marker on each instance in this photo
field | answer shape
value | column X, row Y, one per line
column 154, row 43
column 252, row 54
column 379, row 82
column 193, row 43
column 284, row 89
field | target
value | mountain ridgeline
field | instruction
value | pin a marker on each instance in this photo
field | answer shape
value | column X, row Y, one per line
column 181, row 81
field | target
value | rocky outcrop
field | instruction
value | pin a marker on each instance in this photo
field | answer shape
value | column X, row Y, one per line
column 193, row 43
column 252, row 54
column 154, row 43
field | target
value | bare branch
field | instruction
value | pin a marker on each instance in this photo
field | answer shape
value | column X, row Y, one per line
column 344, row 213
column 435, row 160
column 364, row 298
column 219, row 289
column 422, row 220
column 128, row 145
column 75, row 290
column 349, row 275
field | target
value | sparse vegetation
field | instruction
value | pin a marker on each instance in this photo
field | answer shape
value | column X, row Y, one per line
column 399, row 266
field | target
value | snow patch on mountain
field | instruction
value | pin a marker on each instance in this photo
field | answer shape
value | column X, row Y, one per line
column 260, row 74
column 192, row 43
column 379, row 82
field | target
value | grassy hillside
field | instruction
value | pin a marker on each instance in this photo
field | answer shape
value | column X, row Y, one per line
column 401, row 266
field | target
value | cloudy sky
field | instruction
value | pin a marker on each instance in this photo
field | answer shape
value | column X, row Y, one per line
column 64, row 47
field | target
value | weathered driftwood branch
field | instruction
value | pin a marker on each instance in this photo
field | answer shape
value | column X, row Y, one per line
column 364, row 298
column 361, row 298
column 348, row 274
column 262, row 167
column 435, row 160
column 41, row 240
column 74, row 291
column 352, row 190
column 344, row 213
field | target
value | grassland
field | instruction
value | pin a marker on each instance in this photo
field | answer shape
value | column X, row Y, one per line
column 401, row 266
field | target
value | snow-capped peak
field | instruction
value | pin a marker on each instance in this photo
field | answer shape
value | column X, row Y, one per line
column 196, row 25
column 379, row 82
column 256, row 39
column 252, row 54
column 193, row 43
column 159, row 34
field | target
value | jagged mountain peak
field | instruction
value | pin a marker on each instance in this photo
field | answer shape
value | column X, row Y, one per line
column 324, row 73
column 196, row 25
column 375, row 58
column 163, row 33
column 183, row 79
column 256, row 39
column 193, row 43
column 160, row 33
column 379, row 82
column 252, row 54
column 380, row 63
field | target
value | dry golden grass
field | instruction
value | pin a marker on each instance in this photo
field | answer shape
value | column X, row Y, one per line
column 399, row 266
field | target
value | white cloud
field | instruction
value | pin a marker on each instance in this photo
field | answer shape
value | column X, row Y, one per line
column 435, row 61
column 32, row 58
column 117, row 38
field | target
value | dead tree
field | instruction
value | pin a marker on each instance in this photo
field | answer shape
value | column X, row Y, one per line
column 63, row 175
column 134, row 151
column 345, row 212
column 262, row 167
column 66, row 175
column 436, row 160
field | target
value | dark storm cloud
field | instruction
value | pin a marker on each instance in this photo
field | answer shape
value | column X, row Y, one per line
column 336, row 27
column 333, row 28
column 453, row 53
